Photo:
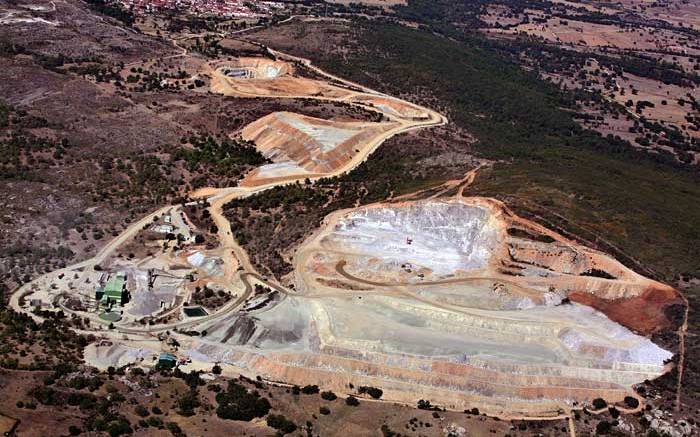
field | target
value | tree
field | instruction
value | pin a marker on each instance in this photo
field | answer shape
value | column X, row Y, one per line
column 174, row 428
column 599, row 403
column 602, row 428
column 631, row 402
column 310, row 389
column 236, row 403
column 375, row 392
column 281, row 424
column 328, row 396
column 352, row 401
column 187, row 403
column 141, row 411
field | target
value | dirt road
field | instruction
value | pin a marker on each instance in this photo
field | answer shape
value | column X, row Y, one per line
column 232, row 254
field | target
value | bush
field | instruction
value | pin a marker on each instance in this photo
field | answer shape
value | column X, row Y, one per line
column 352, row 401
column 281, row 424
column 74, row 430
column 387, row 432
column 310, row 389
column 141, row 411
column 324, row 410
column 187, row 403
column 602, row 428
column 155, row 422
column 631, row 402
column 614, row 412
column 174, row 428
column 119, row 427
column 374, row 392
column 328, row 396
column 599, row 403
column 236, row 403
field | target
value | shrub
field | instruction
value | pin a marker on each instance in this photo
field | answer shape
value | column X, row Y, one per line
column 599, row 403
column 328, row 396
column 141, row 411
column 310, row 389
column 155, row 422
column 236, row 403
column 281, row 424
column 631, row 402
column 119, row 427
column 324, row 410
column 187, row 403
column 174, row 429
column 387, row 432
column 374, row 392
column 602, row 428
column 352, row 401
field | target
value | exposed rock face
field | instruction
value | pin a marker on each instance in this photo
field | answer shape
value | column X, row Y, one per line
column 302, row 145
column 255, row 68
column 458, row 302
column 452, row 238
column 263, row 77
column 463, row 241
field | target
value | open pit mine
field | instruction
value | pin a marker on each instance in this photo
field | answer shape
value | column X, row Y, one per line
column 264, row 77
column 455, row 301
column 303, row 147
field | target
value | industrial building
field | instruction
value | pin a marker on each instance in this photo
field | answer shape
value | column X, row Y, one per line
column 113, row 291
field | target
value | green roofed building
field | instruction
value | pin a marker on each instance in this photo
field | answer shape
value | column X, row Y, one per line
column 166, row 360
column 113, row 291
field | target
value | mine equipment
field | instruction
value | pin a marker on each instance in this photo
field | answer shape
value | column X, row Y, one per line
column 152, row 275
